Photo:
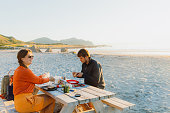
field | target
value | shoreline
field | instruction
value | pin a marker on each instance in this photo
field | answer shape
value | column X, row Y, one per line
column 97, row 52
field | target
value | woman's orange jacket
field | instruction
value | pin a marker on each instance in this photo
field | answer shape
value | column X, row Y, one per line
column 24, row 80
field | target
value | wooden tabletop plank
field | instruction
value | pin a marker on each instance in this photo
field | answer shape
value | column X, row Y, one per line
column 84, row 98
column 108, row 93
column 60, row 97
column 88, row 94
column 64, row 99
column 100, row 95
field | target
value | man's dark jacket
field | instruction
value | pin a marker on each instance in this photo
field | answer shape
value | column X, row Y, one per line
column 93, row 74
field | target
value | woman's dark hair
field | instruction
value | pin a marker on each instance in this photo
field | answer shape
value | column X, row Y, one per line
column 83, row 53
column 21, row 54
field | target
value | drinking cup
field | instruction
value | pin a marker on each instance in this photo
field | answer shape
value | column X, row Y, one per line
column 66, row 89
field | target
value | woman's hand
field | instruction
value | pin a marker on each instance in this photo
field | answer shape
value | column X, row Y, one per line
column 43, row 75
column 52, row 79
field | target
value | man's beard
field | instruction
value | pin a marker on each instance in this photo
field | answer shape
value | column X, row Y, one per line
column 85, row 61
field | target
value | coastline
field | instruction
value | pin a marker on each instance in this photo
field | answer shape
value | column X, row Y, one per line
column 96, row 51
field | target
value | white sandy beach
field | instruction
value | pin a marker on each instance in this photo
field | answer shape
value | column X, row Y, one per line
column 143, row 81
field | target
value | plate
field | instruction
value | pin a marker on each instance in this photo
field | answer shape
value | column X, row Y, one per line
column 72, row 81
column 47, row 88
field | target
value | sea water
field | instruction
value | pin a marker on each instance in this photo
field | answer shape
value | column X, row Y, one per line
column 142, row 80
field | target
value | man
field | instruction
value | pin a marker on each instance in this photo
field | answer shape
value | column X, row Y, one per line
column 91, row 70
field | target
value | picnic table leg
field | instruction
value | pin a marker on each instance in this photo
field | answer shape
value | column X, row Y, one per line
column 98, row 106
column 67, row 109
column 109, row 109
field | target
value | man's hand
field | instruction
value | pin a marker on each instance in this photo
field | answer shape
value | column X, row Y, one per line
column 74, row 74
column 77, row 74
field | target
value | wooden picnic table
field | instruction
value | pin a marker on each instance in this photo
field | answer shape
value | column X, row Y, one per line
column 88, row 94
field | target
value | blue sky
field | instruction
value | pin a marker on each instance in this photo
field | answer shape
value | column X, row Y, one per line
column 124, row 24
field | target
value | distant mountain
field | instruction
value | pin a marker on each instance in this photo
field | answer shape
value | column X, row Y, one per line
column 44, row 40
column 9, row 40
column 70, row 41
column 75, row 41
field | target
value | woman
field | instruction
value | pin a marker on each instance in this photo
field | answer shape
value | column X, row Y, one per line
column 24, row 81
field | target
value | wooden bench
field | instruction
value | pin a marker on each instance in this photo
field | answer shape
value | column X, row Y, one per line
column 119, row 104
column 112, row 105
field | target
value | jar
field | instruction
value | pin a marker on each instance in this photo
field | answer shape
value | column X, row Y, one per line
column 66, row 89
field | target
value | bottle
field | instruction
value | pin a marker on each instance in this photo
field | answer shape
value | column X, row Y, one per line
column 66, row 88
column 64, row 78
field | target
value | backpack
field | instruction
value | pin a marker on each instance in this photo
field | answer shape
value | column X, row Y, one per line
column 7, row 87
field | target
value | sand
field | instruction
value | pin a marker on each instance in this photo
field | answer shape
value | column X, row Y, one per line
column 139, row 79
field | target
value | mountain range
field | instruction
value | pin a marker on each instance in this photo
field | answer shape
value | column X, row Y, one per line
column 71, row 41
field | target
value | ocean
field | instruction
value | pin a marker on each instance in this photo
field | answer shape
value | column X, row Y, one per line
column 140, row 79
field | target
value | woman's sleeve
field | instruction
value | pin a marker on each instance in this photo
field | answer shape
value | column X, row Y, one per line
column 29, row 76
